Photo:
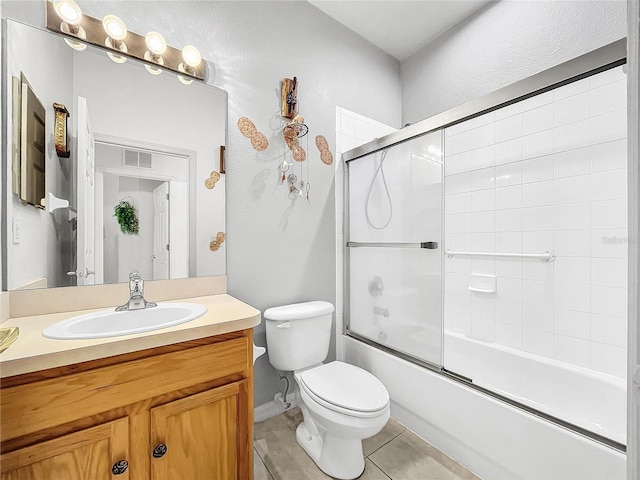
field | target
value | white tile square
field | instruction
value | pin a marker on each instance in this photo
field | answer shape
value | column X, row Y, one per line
column 573, row 88
column 537, row 194
column 571, row 136
column 509, row 289
column 483, row 157
column 483, row 305
column 483, row 242
column 481, row 120
column 609, row 127
column 609, row 156
column 538, row 315
column 571, row 109
column 508, row 128
column 483, row 179
column 537, row 242
column 572, row 323
column 572, row 296
column 483, row 222
column 461, row 323
column 508, row 174
column 459, row 143
column 538, row 144
column 458, row 241
column 609, row 214
column 572, row 269
column 458, row 203
column 572, row 216
column 572, row 162
column 609, row 301
column 458, row 163
column 457, row 129
column 483, row 329
column 572, row 243
column 459, row 183
column 537, row 292
column 483, row 200
column 537, row 341
column 609, row 359
column 572, row 189
column 609, row 330
column 609, row 185
column 508, row 242
column 571, row 350
column 509, row 335
column 609, row 272
column 509, row 220
column 509, row 151
column 537, row 169
column 608, row 76
column 537, row 270
column 537, row 218
column 483, row 266
column 483, row 136
column 348, row 125
column 610, row 243
column 458, row 223
column 508, row 267
column 609, row 98
column 509, row 197
column 537, row 120
column 509, row 312
column 458, row 264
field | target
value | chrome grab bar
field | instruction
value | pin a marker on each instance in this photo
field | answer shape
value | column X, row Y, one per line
column 546, row 256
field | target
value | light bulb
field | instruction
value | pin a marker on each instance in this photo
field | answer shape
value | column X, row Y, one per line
column 184, row 80
column 191, row 56
column 155, row 43
column 69, row 11
column 114, row 27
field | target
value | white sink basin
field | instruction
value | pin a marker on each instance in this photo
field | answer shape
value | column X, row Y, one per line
column 109, row 323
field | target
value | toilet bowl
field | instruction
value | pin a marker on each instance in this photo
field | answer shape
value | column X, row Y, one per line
column 341, row 404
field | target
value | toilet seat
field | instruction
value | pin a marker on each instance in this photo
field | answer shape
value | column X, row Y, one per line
column 345, row 388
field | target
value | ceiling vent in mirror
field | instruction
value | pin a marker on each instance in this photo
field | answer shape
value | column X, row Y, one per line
column 134, row 158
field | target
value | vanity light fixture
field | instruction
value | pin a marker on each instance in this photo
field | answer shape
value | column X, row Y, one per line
column 71, row 15
column 116, row 33
column 65, row 18
column 157, row 46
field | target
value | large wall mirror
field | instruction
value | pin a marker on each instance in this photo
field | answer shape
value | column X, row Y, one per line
column 147, row 140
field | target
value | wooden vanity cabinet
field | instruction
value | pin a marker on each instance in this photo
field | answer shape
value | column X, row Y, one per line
column 182, row 411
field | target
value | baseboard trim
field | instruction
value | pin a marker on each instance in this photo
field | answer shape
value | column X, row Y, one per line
column 271, row 409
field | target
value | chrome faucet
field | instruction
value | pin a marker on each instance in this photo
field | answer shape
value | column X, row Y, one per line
column 136, row 294
column 381, row 311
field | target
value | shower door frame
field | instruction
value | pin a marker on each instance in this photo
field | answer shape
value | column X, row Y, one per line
column 591, row 63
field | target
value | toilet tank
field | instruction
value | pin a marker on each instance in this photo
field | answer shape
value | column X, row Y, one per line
column 298, row 335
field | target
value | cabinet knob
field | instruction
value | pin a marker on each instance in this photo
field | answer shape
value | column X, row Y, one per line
column 159, row 451
column 119, row 467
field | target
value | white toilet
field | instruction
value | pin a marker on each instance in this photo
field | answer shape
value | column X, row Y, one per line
column 341, row 403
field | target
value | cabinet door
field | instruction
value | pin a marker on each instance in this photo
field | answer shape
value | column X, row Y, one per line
column 87, row 454
column 200, row 433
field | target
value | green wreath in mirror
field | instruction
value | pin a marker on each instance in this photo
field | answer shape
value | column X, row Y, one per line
column 127, row 218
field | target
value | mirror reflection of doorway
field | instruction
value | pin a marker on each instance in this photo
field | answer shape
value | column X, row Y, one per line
column 157, row 186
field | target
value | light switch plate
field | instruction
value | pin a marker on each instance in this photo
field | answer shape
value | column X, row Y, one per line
column 15, row 229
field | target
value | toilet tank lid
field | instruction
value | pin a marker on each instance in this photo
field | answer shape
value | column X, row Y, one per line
column 298, row 311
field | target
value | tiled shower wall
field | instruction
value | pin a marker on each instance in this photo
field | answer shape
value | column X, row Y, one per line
column 352, row 130
column 544, row 174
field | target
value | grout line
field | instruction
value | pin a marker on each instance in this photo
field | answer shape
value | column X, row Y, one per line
column 378, row 467
column 386, row 443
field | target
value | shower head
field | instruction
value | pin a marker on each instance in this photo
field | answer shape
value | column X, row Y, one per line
column 375, row 286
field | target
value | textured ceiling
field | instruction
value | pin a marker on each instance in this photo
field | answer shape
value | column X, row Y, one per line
column 399, row 27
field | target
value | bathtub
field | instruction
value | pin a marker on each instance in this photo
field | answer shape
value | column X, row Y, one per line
column 492, row 438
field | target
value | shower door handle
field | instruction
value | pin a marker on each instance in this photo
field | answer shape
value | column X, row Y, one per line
column 427, row 245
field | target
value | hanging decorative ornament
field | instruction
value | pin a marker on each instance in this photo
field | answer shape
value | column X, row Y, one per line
column 323, row 146
column 211, row 181
column 283, row 168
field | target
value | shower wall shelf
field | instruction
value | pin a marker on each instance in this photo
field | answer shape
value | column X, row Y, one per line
column 546, row 256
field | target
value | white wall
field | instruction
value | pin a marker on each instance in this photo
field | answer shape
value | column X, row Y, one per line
column 277, row 252
column 502, row 43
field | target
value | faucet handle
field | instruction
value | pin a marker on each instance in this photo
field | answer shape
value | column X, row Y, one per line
column 136, row 284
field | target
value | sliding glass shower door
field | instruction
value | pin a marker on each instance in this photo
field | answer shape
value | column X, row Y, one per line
column 394, row 240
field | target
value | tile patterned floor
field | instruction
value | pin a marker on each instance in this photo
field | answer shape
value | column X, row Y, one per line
column 394, row 454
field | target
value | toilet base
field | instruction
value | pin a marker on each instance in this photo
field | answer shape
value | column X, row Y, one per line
column 340, row 458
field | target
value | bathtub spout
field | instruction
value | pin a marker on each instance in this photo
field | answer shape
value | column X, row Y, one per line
column 381, row 311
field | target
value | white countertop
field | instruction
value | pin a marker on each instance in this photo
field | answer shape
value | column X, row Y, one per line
column 32, row 351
